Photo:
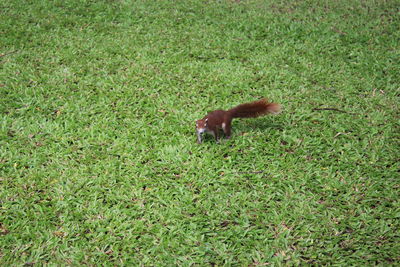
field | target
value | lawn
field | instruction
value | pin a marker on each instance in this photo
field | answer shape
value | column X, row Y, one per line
column 99, row 163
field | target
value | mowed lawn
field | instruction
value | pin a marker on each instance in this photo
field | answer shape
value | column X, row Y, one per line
column 98, row 157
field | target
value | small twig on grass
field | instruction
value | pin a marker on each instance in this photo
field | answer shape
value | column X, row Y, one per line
column 250, row 172
column 9, row 53
column 339, row 134
column 333, row 109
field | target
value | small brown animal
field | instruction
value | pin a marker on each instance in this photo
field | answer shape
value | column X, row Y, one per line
column 221, row 119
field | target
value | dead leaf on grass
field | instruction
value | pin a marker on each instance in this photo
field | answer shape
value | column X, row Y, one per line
column 60, row 234
column 3, row 230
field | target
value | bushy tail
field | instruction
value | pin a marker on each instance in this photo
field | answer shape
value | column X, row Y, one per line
column 255, row 109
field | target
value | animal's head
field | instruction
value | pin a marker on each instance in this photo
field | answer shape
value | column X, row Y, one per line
column 201, row 126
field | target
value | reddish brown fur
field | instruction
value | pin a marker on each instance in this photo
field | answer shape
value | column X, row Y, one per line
column 215, row 120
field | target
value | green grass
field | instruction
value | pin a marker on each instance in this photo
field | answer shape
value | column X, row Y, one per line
column 98, row 160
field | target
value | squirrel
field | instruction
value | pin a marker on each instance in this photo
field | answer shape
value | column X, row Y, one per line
column 221, row 119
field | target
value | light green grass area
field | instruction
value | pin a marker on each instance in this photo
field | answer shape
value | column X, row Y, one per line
column 98, row 159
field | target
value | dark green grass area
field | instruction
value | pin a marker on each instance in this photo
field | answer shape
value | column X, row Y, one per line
column 98, row 160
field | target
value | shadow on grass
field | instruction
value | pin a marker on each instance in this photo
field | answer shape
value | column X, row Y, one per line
column 259, row 125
